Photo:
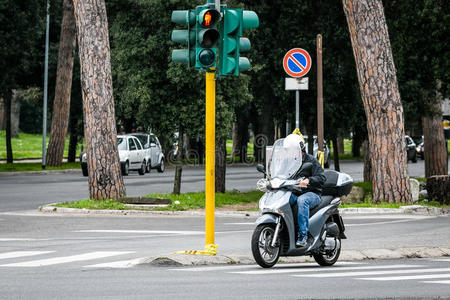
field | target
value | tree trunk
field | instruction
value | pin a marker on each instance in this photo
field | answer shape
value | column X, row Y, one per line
column 367, row 171
column 179, row 163
column 15, row 114
column 438, row 188
column 221, row 164
column 9, row 152
column 105, row 179
column 337, row 167
column 340, row 141
column 61, row 104
column 381, row 98
column 242, row 136
column 434, row 141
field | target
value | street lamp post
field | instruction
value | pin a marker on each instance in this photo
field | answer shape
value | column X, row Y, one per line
column 44, row 114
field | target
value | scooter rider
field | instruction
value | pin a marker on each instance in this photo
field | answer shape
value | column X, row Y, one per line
column 311, row 186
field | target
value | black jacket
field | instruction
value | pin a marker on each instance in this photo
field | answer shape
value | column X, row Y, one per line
column 315, row 175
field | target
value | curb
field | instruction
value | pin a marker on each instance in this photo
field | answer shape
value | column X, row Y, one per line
column 183, row 260
column 411, row 209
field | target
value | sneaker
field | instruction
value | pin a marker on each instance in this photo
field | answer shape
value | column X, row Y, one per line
column 301, row 241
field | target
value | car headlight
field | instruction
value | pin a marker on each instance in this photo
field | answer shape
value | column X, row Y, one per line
column 418, row 149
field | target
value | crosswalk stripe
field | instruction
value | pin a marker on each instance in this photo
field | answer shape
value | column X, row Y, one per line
column 66, row 259
column 349, row 274
column 143, row 231
column 122, row 264
column 438, row 281
column 234, row 267
column 314, row 268
column 393, row 278
column 441, row 259
column 17, row 254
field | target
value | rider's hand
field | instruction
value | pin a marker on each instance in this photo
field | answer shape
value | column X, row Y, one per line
column 304, row 182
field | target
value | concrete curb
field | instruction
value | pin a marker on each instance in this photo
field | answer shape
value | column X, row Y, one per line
column 183, row 260
column 412, row 209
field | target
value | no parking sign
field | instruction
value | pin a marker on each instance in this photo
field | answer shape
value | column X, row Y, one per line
column 297, row 62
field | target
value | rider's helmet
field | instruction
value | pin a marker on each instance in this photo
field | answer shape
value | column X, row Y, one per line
column 295, row 139
column 302, row 139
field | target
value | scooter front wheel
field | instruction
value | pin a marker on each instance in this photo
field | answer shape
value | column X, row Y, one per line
column 264, row 254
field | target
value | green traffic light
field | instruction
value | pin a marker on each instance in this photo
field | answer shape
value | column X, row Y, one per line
column 207, row 57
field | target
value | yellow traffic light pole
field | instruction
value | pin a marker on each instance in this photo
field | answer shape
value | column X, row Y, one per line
column 210, row 162
column 210, row 201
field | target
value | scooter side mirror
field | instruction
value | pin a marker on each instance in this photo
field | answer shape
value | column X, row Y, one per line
column 261, row 168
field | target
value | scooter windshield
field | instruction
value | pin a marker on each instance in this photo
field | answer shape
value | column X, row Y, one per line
column 286, row 159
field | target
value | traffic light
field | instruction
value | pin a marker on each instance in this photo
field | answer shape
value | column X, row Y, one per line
column 232, row 42
column 207, row 37
column 185, row 37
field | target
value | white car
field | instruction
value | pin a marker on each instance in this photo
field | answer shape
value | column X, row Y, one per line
column 131, row 154
column 154, row 155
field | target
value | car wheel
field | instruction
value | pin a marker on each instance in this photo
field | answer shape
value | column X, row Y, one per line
column 161, row 167
column 414, row 159
column 141, row 170
column 148, row 167
column 126, row 169
column 84, row 169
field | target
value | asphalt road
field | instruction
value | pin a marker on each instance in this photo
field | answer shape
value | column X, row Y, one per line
column 23, row 192
column 70, row 257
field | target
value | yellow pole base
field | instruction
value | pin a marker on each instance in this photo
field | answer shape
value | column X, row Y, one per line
column 210, row 249
column 321, row 158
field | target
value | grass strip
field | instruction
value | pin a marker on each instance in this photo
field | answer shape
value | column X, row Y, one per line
column 20, row 167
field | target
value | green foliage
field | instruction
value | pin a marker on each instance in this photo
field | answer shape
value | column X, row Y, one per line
column 418, row 32
column 366, row 186
column 150, row 91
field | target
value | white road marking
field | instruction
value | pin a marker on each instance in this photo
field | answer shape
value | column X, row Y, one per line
column 430, row 276
column 352, row 274
column 234, row 267
column 248, row 223
column 21, row 240
column 66, row 259
column 143, row 231
column 122, row 264
column 321, row 269
column 440, row 259
column 438, row 281
column 378, row 223
column 16, row 254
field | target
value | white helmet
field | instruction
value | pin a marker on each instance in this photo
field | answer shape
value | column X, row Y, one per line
column 294, row 140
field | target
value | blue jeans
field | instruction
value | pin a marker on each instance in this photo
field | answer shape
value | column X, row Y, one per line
column 305, row 202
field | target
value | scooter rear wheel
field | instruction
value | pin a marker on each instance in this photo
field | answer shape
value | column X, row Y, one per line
column 264, row 254
column 329, row 258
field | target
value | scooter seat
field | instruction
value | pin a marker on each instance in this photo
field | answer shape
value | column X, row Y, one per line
column 325, row 201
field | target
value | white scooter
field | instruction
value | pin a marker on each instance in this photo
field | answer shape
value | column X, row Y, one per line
column 277, row 227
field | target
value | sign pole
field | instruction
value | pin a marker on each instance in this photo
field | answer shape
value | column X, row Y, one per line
column 319, row 94
column 210, row 160
column 297, row 109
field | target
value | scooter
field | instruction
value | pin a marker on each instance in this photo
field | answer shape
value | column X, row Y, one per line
column 277, row 227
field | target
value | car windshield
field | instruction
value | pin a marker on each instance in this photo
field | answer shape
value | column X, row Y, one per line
column 285, row 161
column 143, row 140
column 121, row 143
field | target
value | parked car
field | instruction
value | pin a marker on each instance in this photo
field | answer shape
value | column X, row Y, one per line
column 154, row 155
column 411, row 149
column 131, row 154
column 326, row 151
column 419, row 146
